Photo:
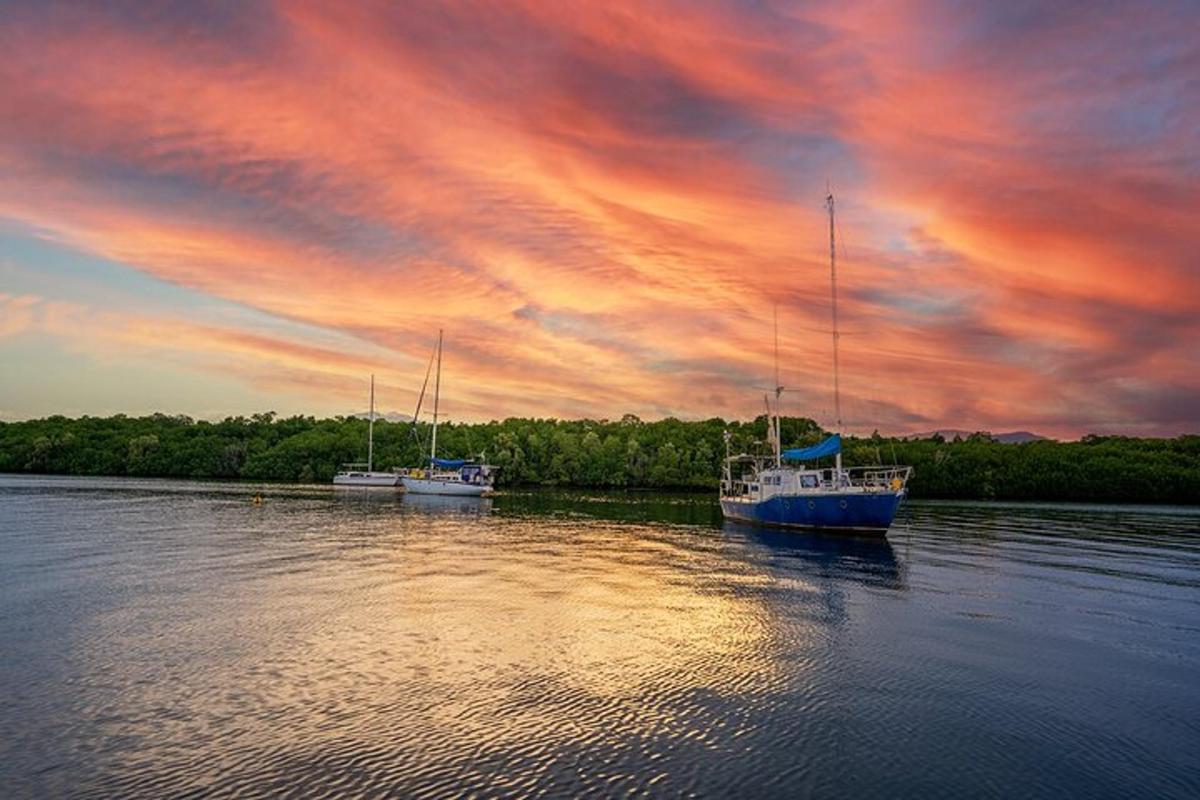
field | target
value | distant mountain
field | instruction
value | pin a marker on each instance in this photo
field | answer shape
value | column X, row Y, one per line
column 1012, row 437
column 1020, row 437
column 390, row 416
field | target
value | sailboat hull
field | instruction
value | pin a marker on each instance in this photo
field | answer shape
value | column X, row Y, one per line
column 366, row 479
column 869, row 513
column 444, row 487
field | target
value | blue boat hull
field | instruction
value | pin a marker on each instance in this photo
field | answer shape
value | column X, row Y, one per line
column 858, row 513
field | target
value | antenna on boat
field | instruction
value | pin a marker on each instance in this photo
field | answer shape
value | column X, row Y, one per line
column 837, row 396
column 778, row 388
column 371, row 428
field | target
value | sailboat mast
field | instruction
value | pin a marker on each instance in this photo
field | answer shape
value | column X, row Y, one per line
column 837, row 396
column 778, row 395
column 371, row 428
column 437, row 390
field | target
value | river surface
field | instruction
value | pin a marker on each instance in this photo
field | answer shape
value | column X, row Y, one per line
column 162, row 638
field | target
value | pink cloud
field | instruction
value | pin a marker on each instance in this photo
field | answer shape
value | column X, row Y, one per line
column 602, row 203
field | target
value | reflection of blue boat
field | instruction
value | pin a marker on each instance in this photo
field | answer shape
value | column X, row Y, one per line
column 868, row 560
column 765, row 490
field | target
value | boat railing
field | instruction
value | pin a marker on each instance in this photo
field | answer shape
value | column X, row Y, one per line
column 877, row 478
column 874, row 478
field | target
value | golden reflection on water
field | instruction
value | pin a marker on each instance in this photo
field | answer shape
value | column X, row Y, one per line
column 172, row 638
column 438, row 638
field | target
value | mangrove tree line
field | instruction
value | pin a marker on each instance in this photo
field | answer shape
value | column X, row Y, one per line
column 625, row 453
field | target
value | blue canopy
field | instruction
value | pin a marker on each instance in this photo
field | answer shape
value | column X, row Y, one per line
column 448, row 463
column 826, row 448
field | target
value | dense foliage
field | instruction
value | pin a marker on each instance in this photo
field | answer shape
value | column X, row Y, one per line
column 587, row 453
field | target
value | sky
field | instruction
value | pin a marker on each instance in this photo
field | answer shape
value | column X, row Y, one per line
column 218, row 208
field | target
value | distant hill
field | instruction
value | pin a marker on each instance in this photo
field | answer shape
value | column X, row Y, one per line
column 1019, row 437
column 1012, row 437
column 390, row 416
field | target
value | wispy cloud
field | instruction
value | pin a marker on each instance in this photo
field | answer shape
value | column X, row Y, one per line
column 602, row 202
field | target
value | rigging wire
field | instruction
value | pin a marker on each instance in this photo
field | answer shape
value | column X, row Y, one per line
column 420, row 399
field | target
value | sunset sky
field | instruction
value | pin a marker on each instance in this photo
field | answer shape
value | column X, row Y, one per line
column 227, row 207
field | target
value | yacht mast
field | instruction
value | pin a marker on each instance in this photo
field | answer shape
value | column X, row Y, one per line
column 837, row 396
column 437, row 390
column 371, row 428
column 778, row 394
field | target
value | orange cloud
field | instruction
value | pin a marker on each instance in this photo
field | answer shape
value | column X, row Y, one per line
column 602, row 203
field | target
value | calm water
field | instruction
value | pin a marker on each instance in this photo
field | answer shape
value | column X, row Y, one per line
column 161, row 638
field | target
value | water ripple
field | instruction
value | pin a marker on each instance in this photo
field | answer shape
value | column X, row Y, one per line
column 173, row 639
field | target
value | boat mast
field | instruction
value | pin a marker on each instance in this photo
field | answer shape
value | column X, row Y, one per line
column 837, row 397
column 371, row 428
column 437, row 390
column 778, row 394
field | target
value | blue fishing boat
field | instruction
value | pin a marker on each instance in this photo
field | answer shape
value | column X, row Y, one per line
column 786, row 487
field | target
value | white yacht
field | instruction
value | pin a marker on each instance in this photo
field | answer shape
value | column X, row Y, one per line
column 444, row 476
column 361, row 474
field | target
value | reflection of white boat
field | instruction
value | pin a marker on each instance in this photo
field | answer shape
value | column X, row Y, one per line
column 361, row 474
column 457, row 477
column 447, row 504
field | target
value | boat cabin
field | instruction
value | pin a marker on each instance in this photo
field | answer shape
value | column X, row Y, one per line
column 457, row 471
column 760, row 479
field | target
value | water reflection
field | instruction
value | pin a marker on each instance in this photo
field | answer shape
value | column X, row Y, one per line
column 165, row 639
column 405, row 644
column 447, row 504
column 629, row 506
column 867, row 560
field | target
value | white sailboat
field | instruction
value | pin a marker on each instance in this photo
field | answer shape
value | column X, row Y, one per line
column 458, row 477
column 360, row 474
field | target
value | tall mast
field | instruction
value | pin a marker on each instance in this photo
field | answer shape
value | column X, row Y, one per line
column 837, row 396
column 778, row 394
column 371, row 428
column 437, row 390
